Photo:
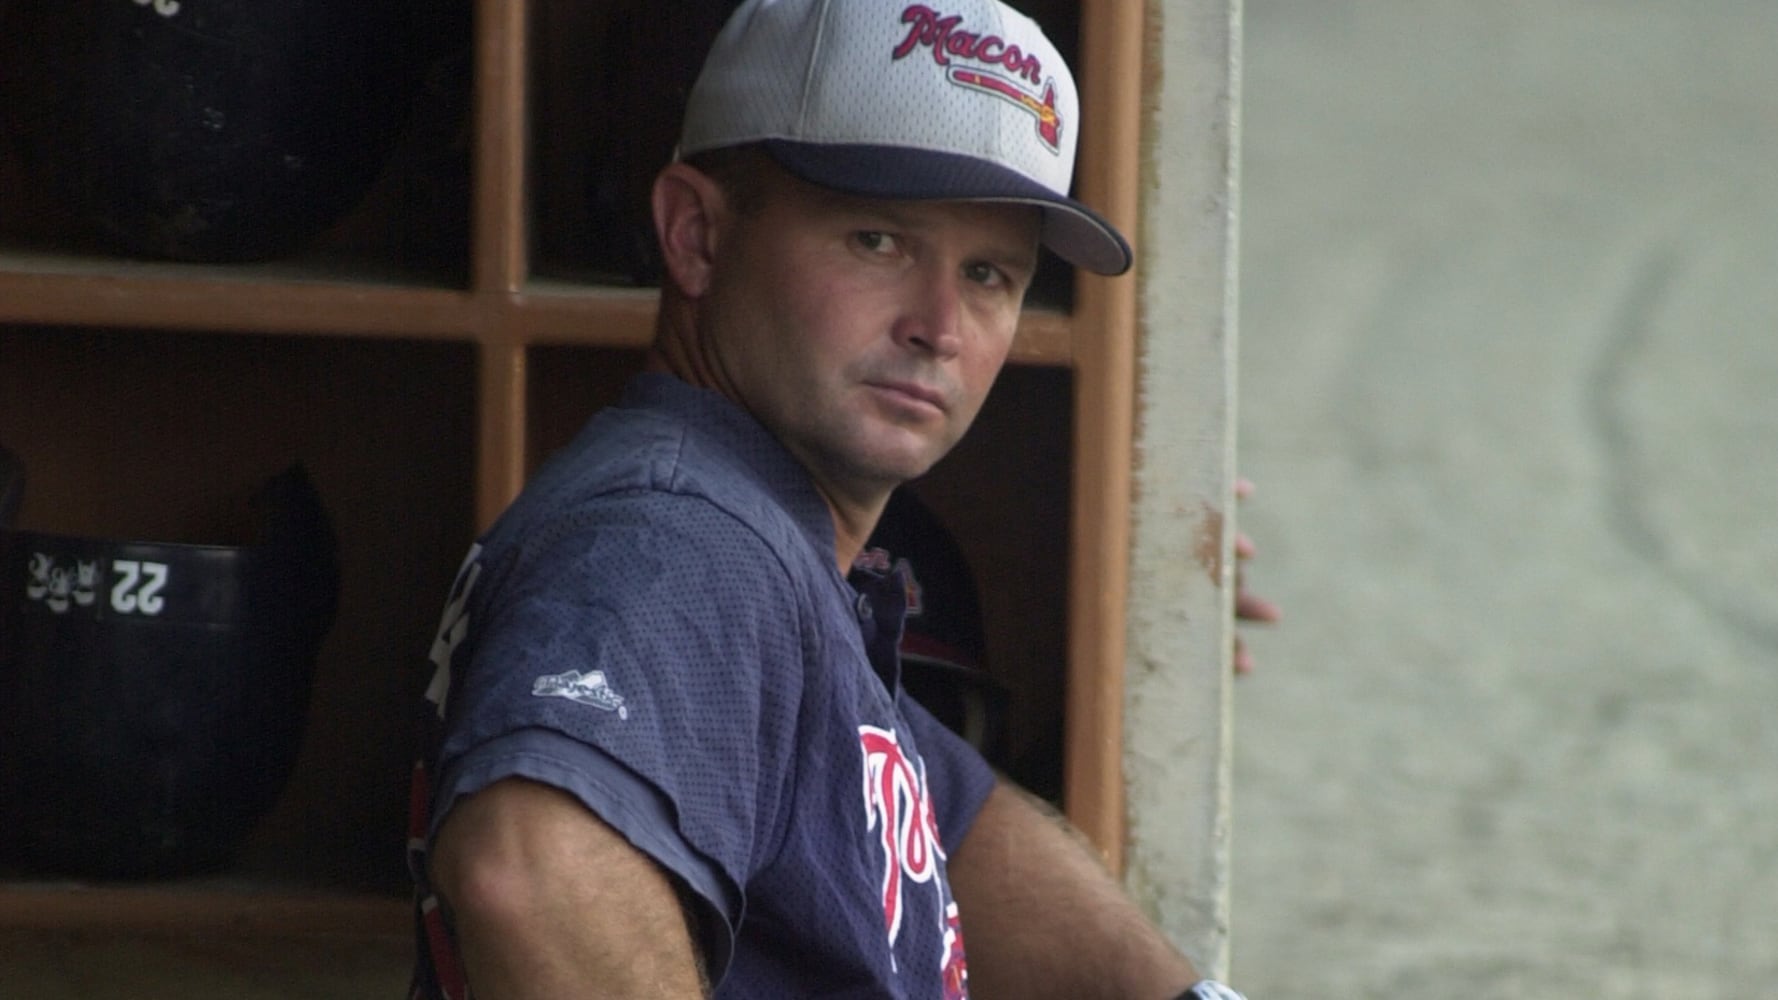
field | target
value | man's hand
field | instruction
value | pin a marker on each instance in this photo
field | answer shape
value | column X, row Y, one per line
column 1248, row 607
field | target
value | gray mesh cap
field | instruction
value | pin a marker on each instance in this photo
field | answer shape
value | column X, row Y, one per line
column 957, row 100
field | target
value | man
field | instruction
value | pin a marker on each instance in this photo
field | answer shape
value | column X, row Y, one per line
column 675, row 759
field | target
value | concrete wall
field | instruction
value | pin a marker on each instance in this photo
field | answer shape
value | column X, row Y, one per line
column 1178, row 675
column 1507, row 376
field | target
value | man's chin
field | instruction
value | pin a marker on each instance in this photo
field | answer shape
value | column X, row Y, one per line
column 877, row 452
column 892, row 467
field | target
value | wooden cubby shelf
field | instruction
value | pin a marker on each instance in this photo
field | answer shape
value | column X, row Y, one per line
column 202, row 907
column 270, row 300
column 423, row 394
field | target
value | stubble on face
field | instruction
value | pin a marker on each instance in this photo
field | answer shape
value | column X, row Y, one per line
column 867, row 364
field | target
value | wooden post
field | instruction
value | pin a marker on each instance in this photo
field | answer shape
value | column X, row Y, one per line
column 499, row 258
column 1104, row 378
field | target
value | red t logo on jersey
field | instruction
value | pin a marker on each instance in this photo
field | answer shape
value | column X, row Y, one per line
column 898, row 808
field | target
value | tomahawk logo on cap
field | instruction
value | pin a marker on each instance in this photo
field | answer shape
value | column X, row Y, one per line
column 955, row 100
column 945, row 38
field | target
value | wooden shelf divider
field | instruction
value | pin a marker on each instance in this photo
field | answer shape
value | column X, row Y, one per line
column 199, row 908
column 1105, row 394
column 234, row 304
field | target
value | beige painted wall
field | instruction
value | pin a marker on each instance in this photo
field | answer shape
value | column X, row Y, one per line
column 1177, row 738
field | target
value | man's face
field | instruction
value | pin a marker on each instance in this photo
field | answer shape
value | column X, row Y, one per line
column 866, row 334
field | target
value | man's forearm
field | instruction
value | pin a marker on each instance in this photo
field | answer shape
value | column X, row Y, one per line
column 1043, row 919
column 549, row 903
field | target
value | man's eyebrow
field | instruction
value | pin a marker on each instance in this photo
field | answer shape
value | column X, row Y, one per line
column 895, row 215
column 870, row 209
column 1021, row 255
column 1020, row 263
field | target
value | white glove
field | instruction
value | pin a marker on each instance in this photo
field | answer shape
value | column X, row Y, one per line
column 1210, row 989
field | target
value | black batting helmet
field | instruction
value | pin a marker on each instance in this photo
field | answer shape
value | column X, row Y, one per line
column 152, row 695
column 942, row 645
column 210, row 130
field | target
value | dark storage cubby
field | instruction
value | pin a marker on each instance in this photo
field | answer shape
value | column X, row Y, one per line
column 158, row 436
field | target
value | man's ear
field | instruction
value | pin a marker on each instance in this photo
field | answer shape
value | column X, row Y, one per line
column 689, row 209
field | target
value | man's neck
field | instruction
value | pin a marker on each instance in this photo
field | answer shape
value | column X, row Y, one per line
column 852, row 527
column 854, row 513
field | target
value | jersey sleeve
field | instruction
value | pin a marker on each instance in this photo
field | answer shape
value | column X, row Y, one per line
column 958, row 777
column 648, row 664
column 621, row 799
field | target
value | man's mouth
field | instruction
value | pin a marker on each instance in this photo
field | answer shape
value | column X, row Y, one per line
column 914, row 392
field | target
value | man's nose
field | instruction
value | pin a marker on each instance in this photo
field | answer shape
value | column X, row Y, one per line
column 932, row 320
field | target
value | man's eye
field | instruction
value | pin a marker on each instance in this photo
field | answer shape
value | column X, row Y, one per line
column 874, row 241
column 984, row 274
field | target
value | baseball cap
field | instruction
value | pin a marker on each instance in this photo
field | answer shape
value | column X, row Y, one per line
column 942, row 641
column 960, row 100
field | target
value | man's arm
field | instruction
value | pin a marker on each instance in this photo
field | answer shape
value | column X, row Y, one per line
column 549, row 902
column 1043, row 919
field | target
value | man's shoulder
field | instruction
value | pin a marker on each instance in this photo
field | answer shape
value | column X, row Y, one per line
column 662, row 477
column 670, row 447
column 667, row 437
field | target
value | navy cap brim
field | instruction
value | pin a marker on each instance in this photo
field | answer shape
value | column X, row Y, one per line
column 1074, row 232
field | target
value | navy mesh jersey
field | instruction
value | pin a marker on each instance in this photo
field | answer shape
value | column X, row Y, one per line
column 658, row 627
